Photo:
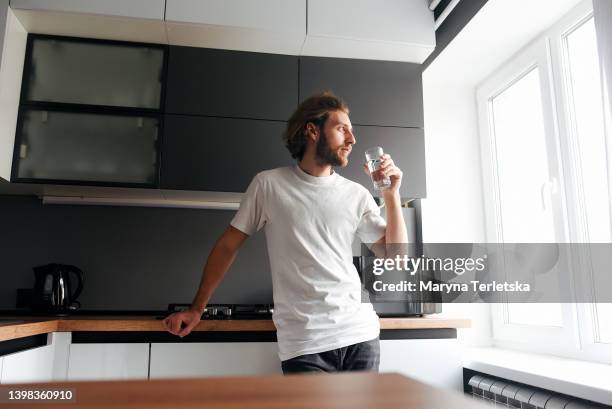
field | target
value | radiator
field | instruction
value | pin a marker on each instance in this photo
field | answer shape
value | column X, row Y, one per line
column 508, row 394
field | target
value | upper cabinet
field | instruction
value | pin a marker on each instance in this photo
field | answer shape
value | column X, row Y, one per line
column 13, row 39
column 225, row 83
column 395, row 30
column 219, row 154
column 128, row 20
column 150, row 9
column 90, row 113
column 269, row 26
column 87, row 147
column 94, row 73
column 381, row 93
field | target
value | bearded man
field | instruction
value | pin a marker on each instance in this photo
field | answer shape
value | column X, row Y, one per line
column 311, row 216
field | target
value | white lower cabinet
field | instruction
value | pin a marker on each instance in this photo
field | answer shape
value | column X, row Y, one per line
column 184, row 360
column 108, row 361
column 32, row 365
column 433, row 361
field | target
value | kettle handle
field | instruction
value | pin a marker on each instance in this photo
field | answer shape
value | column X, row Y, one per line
column 79, row 275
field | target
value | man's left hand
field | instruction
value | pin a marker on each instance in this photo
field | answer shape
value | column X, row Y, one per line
column 389, row 169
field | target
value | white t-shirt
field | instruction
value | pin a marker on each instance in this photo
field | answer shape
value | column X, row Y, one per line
column 310, row 223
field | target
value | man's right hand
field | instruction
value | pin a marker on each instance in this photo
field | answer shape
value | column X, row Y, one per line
column 181, row 323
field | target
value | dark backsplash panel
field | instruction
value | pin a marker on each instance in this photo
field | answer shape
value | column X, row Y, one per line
column 133, row 258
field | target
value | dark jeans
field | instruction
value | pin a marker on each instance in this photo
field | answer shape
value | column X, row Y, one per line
column 364, row 356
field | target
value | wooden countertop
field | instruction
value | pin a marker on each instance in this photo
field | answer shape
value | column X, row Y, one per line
column 35, row 326
column 326, row 391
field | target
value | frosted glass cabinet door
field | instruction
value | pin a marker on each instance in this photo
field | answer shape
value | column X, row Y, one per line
column 82, row 147
column 93, row 73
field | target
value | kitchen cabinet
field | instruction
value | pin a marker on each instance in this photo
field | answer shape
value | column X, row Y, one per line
column 212, row 82
column 400, row 31
column 86, row 147
column 5, row 158
column 61, row 343
column 13, row 39
column 90, row 113
column 383, row 93
column 32, row 365
column 219, row 154
column 4, row 8
column 436, row 362
column 405, row 145
column 149, row 9
column 183, row 360
column 269, row 26
column 108, row 361
column 87, row 72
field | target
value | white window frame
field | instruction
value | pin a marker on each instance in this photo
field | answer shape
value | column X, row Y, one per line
column 562, row 339
column 589, row 347
column 576, row 338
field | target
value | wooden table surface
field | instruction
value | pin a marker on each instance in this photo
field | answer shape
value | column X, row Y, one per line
column 325, row 391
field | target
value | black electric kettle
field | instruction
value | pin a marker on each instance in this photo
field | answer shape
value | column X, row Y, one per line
column 53, row 288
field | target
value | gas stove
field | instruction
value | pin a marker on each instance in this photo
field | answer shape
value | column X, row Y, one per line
column 230, row 311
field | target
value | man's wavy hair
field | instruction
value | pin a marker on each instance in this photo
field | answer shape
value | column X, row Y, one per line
column 314, row 109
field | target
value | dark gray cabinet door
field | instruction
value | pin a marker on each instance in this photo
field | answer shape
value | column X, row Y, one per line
column 219, row 154
column 383, row 93
column 225, row 83
column 405, row 145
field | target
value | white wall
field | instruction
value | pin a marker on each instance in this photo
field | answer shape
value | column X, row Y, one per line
column 453, row 211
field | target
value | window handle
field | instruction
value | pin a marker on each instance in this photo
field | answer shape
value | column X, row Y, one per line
column 552, row 185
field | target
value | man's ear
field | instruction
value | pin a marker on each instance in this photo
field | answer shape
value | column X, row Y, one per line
column 312, row 132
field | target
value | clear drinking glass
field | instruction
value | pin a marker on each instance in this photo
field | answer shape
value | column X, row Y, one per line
column 374, row 161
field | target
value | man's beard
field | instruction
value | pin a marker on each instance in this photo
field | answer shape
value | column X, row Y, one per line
column 326, row 156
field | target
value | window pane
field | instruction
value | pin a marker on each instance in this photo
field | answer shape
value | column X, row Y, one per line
column 522, row 167
column 589, row 134
column 522, row 162
column 587, row 105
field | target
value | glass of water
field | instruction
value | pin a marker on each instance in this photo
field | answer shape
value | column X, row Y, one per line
column 374, row 161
